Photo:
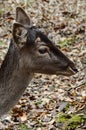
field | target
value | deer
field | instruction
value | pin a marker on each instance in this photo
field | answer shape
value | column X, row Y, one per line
column 30, row 51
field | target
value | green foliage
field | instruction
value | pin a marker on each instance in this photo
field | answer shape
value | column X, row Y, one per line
column 22, row 127
column 71, row 121
column 39, row 123
column 66, row 107
column 63, row 118
column 27, row 2
column 67, row 41
column 2, row 10
column 1, row 42
column 38, row 102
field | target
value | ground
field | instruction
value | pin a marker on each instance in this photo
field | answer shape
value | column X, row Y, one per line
column 50, row 102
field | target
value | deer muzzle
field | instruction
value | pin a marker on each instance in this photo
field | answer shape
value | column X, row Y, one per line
column 69, row 71
column 72, row 70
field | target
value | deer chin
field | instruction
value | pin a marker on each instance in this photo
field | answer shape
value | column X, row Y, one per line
column 67, row 72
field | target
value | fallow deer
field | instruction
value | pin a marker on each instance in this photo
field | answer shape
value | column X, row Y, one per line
column 30, row 52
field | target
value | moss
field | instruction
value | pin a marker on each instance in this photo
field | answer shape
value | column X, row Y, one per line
column 38, row 102
column 67, row 41
column 1, row 42
column 63, row 118
column 71, row 122
column 2, row 11
column 75, row 119
column 22, row 127
column 66, row 108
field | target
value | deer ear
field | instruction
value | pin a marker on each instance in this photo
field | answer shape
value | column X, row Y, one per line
column 19, row 34
column 21, row 17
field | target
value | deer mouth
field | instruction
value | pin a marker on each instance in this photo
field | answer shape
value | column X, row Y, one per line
column 69, row 71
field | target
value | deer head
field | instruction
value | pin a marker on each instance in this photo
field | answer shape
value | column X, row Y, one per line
column 38, row 53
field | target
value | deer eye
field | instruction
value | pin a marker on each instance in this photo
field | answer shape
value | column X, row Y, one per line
column 43, row 50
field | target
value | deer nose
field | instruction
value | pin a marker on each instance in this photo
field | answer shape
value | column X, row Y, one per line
column 74, row 69
column 71, row 70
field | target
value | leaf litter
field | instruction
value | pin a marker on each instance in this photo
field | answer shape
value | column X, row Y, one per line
column 46, row 96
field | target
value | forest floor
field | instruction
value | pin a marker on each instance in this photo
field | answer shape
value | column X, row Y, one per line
column 50, row 102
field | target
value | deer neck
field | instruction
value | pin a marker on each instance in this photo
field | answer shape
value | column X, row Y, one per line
column 13, row 81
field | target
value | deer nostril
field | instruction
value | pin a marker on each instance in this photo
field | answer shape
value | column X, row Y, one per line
column 75, row 70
